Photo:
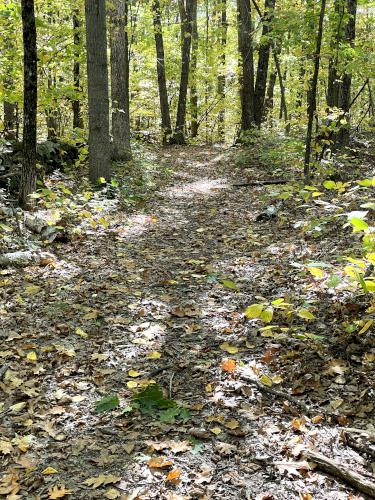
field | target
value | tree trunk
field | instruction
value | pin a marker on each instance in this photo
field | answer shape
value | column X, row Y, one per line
column 221, row 80
column 51, row 112
column 344, row 97
column 283, row 108
column 245, row 46
column 97, row 79
column 28, row 170
column 186, row 12
column 193, row 75
column 120, row 80
column 334, row 83
column 263, row 62
column 160, row 68
column 268, row 105
column 10, row 115
column 76, row 104
column 311, row 105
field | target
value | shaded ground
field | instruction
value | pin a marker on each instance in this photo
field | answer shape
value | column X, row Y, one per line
column 162, row 294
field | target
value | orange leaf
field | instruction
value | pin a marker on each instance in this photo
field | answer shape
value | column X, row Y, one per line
column 159, row 462
column 228, row 365
column 174, row 476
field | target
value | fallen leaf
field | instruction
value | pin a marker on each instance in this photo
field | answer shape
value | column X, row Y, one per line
column 49, row 470
column 228, row 365
column 58, row 492
column 112, row 493
column 231, row 349
column 159, row 463
column 215, row 430
column 174, row 476
column 101, row 480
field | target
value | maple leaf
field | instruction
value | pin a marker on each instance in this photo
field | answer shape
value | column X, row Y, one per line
column 174, row 476
column 5, row 447
column 159, row 463
column 102, row 479
column 58, row 492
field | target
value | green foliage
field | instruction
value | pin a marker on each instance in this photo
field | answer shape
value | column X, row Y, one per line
column 151, row 401
column 107, row 403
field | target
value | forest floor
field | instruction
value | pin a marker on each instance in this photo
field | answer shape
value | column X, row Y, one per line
column 160, row 294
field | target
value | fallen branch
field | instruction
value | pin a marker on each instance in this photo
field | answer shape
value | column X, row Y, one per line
column 26, row 258
column 346, row 474
column 278, row 394
column 260, row 183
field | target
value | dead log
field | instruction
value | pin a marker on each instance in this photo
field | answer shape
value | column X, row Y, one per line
column 260, row 183
column 345, row 473
column 25, row 258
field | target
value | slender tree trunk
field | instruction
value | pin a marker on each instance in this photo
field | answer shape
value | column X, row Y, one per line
column 311, row 105
column 268, row 105
column 245, row 46
column 51, row 112
column 334, row 82
column 160, row 68
column 283, row 108
column 97, row 77
column 120, row 80
column 345, row 94
column 28, row 170
column 193, row 75
column 221, row 78
column 263, row 62
column 186, row 13
column 76, row 103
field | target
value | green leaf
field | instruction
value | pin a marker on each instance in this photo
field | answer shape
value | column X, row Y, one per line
column 305, row 314
column 333, row 281
column 358, row 224
column 107, row 403
column 266, row 315
column 151, row 399
column 254, row 311
column 230, row 284
column 329, row 184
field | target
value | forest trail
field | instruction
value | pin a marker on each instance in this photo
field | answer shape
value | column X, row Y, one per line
column 160, row 294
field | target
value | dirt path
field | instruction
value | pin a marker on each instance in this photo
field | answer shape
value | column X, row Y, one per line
column 157, row 293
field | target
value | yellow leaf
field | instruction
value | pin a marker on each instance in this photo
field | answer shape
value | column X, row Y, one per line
column 49, row 470
column 31, row 356
column 32, row 289
column 134, row 373
column 81, row 333
column 5, row 447
column 228, row 348
column 58, row 492
column 316, row 272
column 132, row 384
column 277, row 379
column 266, row 315
column 18, row 406
column 266, row 380
column 209, row 388
column 254, row 311
column 305, row 314
column 366, row 326
column 154, row 355
column 215, row 430
column 112, row 493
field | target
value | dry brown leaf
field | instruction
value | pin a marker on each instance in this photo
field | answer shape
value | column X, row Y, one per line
column 159, row 463
column 58, row 492
column 174, row 476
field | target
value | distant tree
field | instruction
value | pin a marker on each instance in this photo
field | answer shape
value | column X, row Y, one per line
column 28, row 169
column 187, row 8
column 246, row 52
column 160, row 69
column 97, row 83
column 120, row 80
column 76, row 103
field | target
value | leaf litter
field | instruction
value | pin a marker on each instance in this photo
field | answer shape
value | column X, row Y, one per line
column 114, row 372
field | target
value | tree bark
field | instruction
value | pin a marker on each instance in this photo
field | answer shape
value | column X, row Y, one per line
column 268, row 104
column 193, row 75
column 97, row 78
column 120, row 80
column 221, row 78
column 28, row 170
column 245, row 46
column 160, row 69
column 186, row 13
column 76, row 104
column 311, row 105
column 263, row 62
